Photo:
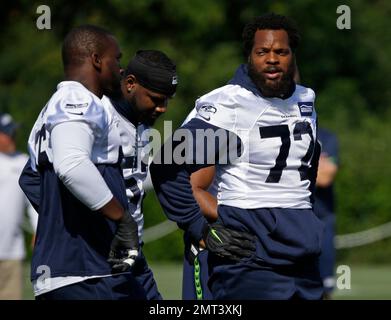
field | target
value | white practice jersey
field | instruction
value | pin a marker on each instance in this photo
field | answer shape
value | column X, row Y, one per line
column 134, row 163
column 73, row 102
column 278, row 137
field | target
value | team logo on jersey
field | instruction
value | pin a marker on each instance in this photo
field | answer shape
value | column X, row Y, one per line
column 206, row 111
column 306, row 108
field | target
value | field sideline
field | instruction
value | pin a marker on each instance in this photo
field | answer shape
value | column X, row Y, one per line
column 367, row 282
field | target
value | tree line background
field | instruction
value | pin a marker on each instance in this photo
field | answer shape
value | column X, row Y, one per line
column 348, row 69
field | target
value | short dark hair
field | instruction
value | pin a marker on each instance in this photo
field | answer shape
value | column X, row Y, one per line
column 153, row 58
column 81, row 42
column 270, row 21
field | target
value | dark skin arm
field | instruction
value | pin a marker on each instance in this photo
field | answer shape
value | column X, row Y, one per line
column 113, row 210
column 200, row 182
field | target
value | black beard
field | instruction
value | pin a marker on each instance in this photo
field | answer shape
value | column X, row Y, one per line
column 115, row 93
column 282, row 89
column 142, row 116
column 148, row 121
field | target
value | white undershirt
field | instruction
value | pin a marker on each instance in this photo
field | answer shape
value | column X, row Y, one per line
column 72, row 144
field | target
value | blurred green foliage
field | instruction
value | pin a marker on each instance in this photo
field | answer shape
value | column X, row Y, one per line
column 348, row 69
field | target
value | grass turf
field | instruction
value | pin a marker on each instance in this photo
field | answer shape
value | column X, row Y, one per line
column 367, row 282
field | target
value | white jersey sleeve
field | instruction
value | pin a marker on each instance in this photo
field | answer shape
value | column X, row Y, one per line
column 75, row 103
column 217, row 108
column 72, row 102
column 72, row 145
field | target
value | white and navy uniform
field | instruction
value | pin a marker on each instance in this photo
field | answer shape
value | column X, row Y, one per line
column 75, row 147
column 277, row 178
column 134, row 139
column 266, row 191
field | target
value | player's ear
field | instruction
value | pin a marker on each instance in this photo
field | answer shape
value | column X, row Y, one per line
column 130, row 82
column 96, row 60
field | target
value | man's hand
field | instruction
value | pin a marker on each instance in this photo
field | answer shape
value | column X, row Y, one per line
column 327, row 169
column 228, row 243
column 124, row 247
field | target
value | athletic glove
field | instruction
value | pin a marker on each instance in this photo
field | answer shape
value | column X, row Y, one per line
column 227, row 243
column 125, row 244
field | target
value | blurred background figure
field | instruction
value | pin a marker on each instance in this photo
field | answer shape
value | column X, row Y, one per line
column 325, row 206
column 13, row 204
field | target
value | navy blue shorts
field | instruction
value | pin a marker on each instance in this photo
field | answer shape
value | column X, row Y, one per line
column 144, row 277
column 327, row 257
column 137, row 285
column 118, row 287
column 248, row 280
column 285, row 264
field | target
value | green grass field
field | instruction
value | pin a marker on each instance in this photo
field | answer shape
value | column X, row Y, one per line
column 367, row 282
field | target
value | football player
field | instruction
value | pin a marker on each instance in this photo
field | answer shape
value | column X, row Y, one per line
column 266, row 240
column 148, row 82
column 195, row 262
column 86, row 238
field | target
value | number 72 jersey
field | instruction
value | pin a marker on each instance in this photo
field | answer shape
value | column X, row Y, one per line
column 277, row 168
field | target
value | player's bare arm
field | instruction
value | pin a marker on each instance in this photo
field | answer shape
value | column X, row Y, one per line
column 200, row 181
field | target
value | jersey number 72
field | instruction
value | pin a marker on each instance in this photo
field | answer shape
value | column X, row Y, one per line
column 282, row 131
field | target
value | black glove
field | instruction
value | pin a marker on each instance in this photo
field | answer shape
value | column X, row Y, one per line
column 125, row 244
column 228, row 243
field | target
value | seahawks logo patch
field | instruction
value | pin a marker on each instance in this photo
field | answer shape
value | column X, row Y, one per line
column 206, row 111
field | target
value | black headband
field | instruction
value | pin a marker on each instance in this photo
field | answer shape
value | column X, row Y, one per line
column 152, row 76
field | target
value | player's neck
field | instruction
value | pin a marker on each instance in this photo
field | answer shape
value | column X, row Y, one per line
column 288, row 93
column 125, row 109
column 84, row 77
